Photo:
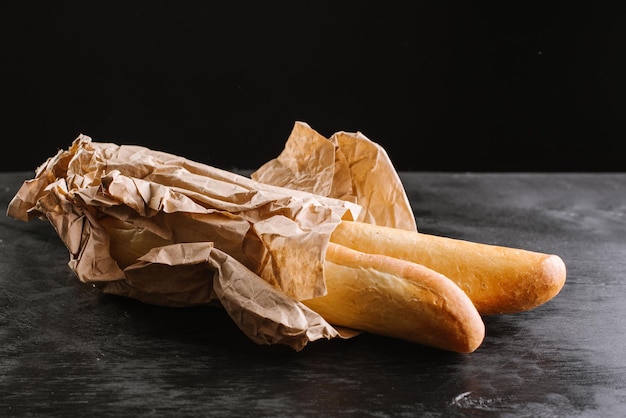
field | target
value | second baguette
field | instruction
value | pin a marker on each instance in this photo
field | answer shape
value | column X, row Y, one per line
column 497, row 279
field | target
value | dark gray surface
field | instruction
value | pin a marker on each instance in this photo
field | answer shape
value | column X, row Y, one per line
column 66, row 350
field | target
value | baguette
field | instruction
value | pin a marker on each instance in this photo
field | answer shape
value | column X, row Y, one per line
column 498, row 280
column 396, row 298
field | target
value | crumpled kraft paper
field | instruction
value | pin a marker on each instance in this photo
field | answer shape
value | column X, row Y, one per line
column 346, row 166
column 169, row 231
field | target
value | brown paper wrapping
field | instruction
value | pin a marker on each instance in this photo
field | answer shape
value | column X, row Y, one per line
column 169, row 231
column 346, row 166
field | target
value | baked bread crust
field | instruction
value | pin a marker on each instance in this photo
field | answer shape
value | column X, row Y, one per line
column 397, row 298
column 498, row 280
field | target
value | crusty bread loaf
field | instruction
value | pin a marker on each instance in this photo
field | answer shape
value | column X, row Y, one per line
column 497, row 279
column 397, row 298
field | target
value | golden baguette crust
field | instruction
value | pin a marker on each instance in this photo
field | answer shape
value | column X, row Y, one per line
column 497, row 279
column 396, row 298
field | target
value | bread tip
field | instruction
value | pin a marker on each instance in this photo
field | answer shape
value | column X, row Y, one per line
column 554, row 274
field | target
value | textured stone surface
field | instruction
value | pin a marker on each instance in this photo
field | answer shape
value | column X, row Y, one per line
column 66, row 349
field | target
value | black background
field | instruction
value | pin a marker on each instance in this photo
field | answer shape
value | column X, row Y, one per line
column 443, row 86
